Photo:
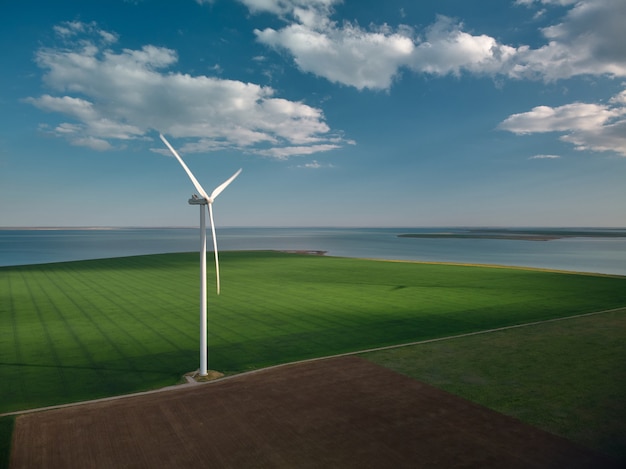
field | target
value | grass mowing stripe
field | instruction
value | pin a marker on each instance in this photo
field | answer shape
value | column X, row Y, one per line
column 50, row 347
column 108, row 293
column 11, row 354
column 57, row 304
column 168, row 316
column 137, row 310
column 10, row 310
column 65, row 333
column 94, row 325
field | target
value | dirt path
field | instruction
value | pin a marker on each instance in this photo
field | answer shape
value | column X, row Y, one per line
column 342, row 412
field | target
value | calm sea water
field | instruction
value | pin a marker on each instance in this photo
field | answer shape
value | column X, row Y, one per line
column 596, row 254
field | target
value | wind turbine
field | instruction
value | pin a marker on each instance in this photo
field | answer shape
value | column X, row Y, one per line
column 203, row 199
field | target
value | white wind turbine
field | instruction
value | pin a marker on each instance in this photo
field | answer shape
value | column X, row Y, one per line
column 203, row 199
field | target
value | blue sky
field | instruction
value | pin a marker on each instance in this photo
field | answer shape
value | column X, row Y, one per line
column 341, row 113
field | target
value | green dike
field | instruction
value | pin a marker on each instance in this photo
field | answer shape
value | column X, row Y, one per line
column 82, row 330
column 566, row 377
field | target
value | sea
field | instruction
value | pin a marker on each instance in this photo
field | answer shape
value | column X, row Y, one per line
column 595, row 253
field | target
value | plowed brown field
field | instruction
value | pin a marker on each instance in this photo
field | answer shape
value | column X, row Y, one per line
column 336, row 413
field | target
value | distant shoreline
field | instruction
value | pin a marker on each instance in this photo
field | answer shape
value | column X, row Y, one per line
column 517, row 237
column 523, row 235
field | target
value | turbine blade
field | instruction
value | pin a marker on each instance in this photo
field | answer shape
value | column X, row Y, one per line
column 217, row 262
column 218, row 190
column 195, row 182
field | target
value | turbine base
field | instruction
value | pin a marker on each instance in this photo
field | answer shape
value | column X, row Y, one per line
column 195, row 377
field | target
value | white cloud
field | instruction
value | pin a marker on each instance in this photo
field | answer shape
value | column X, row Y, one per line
column 596, row 127
column 284, row 7
column 92, row 142
column 286, row 152
column 620, row 98
column 447, row 49
column 575, row 116
column 590, row 40
column 121, row 95
column 544, row 157
column 347, row 55
column 92, row 123
column 71, row 29
column 314, row 165
column 545, row 2
column 372, row 58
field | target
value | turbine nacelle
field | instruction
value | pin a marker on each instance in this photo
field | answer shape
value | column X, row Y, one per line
column 195, row 200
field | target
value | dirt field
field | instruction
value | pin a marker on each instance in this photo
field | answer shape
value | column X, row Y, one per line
column 337, row 413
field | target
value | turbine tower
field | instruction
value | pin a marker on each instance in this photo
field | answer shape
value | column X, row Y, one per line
column 203, row 199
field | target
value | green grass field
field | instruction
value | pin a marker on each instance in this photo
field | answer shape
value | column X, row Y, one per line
column 6, row 432
column 80, row 330
column 566, row 377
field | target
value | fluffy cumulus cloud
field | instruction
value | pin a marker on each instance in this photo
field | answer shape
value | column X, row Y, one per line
column 596, row 127
column 111, row 96
column 372, row 57
column 447, row 49
column 350, row 55
column 589, row 40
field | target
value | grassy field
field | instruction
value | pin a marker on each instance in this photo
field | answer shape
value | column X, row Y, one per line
column 566, row 377
column 80, row 330
column 6, row 431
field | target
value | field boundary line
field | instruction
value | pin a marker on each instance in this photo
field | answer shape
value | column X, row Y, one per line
column 188, row 384
column 487, row 331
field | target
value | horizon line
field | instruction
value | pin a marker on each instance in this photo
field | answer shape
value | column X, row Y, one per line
column 163, row 227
